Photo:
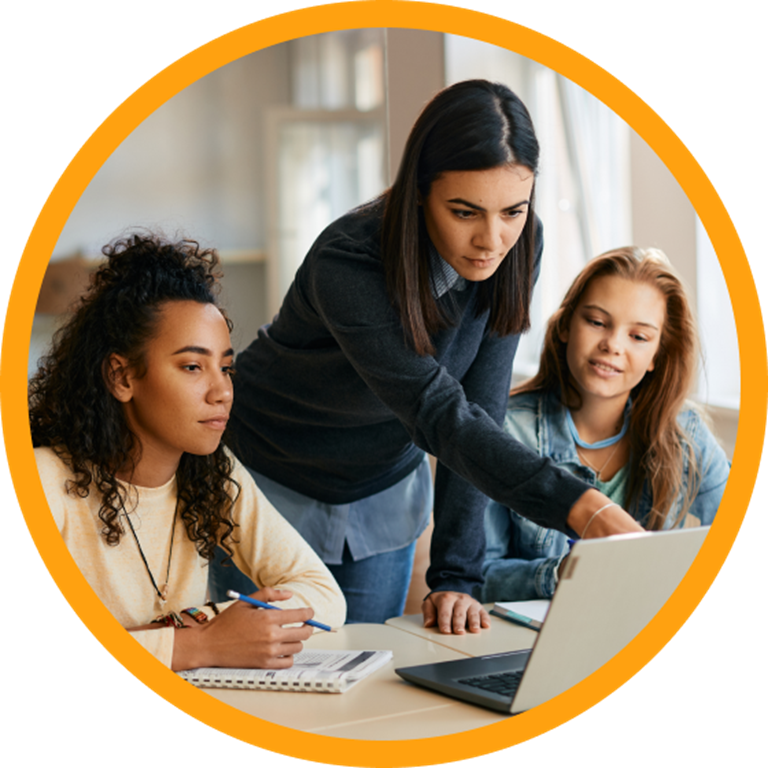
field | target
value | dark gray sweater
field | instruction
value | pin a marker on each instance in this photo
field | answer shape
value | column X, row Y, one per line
column 332, row 403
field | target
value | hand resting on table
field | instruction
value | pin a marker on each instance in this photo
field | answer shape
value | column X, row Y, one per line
column 454, row 613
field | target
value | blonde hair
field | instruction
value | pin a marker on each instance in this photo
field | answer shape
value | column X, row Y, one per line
column 658, row 446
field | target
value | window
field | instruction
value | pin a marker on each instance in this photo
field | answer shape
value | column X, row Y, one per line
column 600, row 187
column 325, row 154
column 719, row 380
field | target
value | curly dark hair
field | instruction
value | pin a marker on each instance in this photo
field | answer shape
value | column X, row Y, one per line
column 72, row 411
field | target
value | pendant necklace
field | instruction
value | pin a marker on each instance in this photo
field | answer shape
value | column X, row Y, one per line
column 161, row 593
column 598, row 472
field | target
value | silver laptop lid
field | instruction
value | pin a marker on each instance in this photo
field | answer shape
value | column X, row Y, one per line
column 611, row 589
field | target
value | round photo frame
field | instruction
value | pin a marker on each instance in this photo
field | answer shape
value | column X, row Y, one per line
column 627, row 105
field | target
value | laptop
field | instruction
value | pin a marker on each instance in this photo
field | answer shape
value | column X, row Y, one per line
column 611, row 588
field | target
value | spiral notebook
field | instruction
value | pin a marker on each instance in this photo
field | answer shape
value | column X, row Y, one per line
column 312, row 672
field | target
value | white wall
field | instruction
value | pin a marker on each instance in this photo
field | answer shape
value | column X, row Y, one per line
column 194, row 168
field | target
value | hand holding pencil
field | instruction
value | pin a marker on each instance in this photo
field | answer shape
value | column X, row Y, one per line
column 244, row 637
column 259, row 604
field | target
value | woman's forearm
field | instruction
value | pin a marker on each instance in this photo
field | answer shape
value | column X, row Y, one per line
column 610, row 519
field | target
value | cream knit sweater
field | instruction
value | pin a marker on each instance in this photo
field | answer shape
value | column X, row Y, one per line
column 269, row 551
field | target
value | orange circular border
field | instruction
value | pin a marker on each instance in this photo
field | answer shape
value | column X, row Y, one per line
column 414, row 15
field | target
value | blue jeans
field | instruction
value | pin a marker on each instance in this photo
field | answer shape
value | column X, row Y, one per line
column 375, row 587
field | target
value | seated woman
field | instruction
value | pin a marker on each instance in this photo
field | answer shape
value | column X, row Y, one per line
column 127, row 415
column 609, row 404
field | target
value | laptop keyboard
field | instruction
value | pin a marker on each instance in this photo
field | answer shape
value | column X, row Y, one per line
column 503, row 683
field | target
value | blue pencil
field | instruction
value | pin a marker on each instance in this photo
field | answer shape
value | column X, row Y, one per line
column 259, row 604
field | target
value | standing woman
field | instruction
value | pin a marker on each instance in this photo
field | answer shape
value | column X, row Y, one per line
column 396, row 340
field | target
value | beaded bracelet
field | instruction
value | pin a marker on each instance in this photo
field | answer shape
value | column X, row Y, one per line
column 196, row 614
column 215, row 608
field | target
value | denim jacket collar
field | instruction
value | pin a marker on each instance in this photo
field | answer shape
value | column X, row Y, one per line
column 556, row 442
column 555, row 438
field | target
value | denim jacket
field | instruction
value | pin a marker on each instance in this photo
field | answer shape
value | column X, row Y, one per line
column 521, row 558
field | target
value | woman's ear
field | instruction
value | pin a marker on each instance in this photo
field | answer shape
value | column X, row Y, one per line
column 119, row 377
column 563, row 335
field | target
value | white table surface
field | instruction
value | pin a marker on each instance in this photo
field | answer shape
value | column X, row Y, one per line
column 382, row 706
column 502, row 636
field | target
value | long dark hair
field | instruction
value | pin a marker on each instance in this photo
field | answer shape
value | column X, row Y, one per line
column 72, row 411
column 474, row 125
column 658, row 444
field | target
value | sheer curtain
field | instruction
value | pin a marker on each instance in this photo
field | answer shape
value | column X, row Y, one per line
column 719, row 382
